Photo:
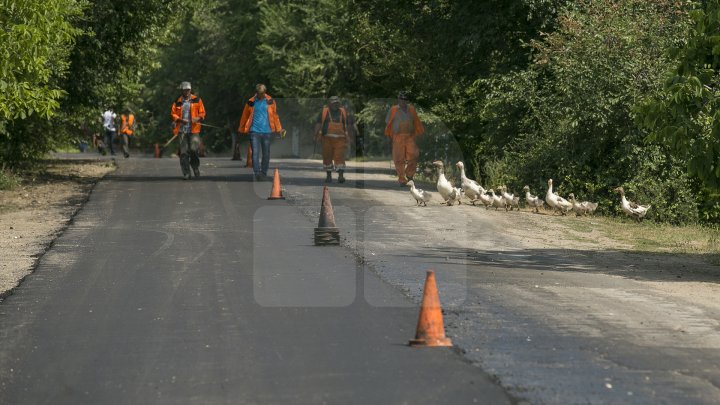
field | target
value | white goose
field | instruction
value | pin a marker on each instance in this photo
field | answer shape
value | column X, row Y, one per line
column 555, row 201
column 486, row 200
column 632, row 209
column 473, row 190
column 533, row 201
column 421, row 196
column 582, row 208
column 497, row 201
column 510, row 199
column 448, row 193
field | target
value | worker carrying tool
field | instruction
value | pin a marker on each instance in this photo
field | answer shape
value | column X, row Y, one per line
column 403, row 126
column 187, row 113
column 332, row 128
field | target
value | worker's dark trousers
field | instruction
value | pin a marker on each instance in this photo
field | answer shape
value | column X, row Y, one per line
column 189, row 145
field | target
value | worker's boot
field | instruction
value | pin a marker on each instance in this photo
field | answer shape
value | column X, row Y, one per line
column 328, row 179
column 341, row 178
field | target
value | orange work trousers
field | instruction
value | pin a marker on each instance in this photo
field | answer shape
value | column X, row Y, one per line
column 333, row 151
column 405, row 154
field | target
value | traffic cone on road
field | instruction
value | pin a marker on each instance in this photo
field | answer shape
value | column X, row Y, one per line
column 327, row 232
column 430, row 330
column 276, row 192
column 157, row 150
column 249, row 157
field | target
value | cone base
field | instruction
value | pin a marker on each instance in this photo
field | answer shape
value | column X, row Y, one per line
column 327, row 236
column 442, row 342
column 276, row 198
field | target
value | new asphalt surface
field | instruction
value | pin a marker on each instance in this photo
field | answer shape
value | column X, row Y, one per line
column 170, row 291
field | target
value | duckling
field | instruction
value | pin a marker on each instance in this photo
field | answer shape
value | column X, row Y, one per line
column 421, row 196
column 497, row 201
column 472, row 188
column 455, row 196
column 533, row 201
column 630, row 208
column 510, row 199
column 555, row 201
column 581, row 208
column 444, row 187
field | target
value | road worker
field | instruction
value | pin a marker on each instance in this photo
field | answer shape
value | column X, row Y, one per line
column 127, row 128
column 332, row 128
column 187, row 113
column 403, row 126
column 261, row 121
column 108, row 120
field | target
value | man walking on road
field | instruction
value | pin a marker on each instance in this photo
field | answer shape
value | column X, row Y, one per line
column 108, row 118
column 127, row 127
column 403, row 126
column 260, row 120
column 332, row 128
column 187, row 112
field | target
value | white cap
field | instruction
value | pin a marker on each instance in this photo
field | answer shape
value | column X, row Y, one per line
column 185, row 86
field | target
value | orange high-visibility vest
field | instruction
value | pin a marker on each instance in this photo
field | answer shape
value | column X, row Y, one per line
column 418, row 126
column 334, row 127
column 128, row 123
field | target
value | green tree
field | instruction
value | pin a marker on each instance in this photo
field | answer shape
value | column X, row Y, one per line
column 686, row 114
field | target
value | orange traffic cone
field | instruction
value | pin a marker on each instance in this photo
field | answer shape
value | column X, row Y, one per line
column 276, row 192
column 327, row 232
column 249, row 157
column 430, row 330
column 157, row 150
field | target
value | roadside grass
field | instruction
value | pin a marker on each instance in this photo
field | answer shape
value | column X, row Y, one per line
column 8, row 179
column 651, row 237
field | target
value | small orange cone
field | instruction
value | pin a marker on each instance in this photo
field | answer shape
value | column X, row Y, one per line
column 249, row 157
column 430, row 330
column 327, row 232
column 157, row 150
column 276, row 192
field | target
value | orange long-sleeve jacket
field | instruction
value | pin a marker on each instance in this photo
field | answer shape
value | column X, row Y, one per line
column 197, row 109
column 247, row 115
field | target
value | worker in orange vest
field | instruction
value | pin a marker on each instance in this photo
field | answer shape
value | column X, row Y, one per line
column 403, row 126
column 260, row 120
column 187, row 112
column 332, row 128
column 127, row 128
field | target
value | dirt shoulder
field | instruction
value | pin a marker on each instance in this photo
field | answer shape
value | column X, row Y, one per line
column 33, row 214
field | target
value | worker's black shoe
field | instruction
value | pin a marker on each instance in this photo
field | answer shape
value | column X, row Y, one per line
column 186, row 176
column 341, row 177
column 328, row 179
column 196, row 171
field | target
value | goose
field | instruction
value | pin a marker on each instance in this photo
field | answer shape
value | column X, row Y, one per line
column 497, row 201
column 533, row 200
column 421, row 196
column 632, row 209
column 555, row 201
column 444, row 187
column 581, row 208
column 472, row 188
column 486, row 200
column 510, row 199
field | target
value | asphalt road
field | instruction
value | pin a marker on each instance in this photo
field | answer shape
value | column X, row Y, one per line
column 170, row 291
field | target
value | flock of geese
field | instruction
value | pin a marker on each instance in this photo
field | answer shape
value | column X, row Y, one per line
column 476, row 193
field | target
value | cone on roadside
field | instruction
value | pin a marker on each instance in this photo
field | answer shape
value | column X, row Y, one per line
column 327, row 232
column 157, row 150
column 430, row 330
column 276, row 192
column 249, row 157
